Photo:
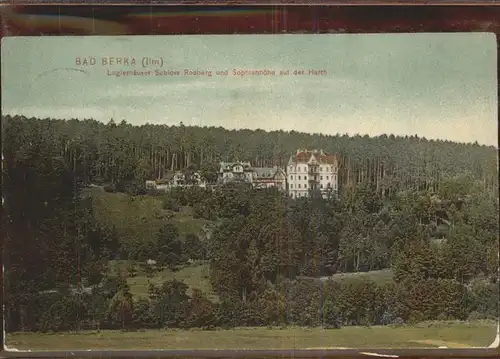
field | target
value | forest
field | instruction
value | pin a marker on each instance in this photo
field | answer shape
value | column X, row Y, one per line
column 425, row 211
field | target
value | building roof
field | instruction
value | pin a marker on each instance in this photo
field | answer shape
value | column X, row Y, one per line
column 265, row 172
column 319, row 156
column 228, row 166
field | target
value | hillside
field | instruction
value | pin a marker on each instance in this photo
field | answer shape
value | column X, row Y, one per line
column 399, row 196
column 137, row 219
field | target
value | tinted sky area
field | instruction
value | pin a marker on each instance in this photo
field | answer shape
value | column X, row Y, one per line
column 434, row 85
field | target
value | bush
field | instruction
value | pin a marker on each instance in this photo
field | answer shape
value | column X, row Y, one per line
column 198, row 210
column 442, row 317
column 154, row 192
column 484, row 299
column 171, row 204
column 149, row 270
column 388, row 318
column 227, row 313
column 473, row 316
column 201, row 312
column 131, row 270
column 142, row 316
column 398, row 322
column 194, row 248
column 416, row 317
column 109, row 188
column 332, row 316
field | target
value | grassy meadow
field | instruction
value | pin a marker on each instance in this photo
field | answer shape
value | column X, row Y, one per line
column 424, row 335
column 140, row 217
column 195, row 276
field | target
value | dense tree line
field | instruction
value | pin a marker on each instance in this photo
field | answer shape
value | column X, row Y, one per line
column 125, row 155
column 436, row 230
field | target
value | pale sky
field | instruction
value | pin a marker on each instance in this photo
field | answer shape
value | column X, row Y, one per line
column 434, row 85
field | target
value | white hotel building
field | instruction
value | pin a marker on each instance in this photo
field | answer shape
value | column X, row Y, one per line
column 311, row 169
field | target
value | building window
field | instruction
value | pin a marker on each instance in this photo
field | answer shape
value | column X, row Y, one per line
column 305, row 186
column 299, row 177
column 321, row 178
column 299, row 185
column 291, row 186
column 327, row 177
column 322, row 185
column 291, row 177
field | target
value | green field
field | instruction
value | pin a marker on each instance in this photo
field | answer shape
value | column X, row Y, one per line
column 378, row 276
column 140, row 217
column 195, row 276
column 431, row 335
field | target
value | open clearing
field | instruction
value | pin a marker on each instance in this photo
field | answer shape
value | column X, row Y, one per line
column 141, row 217
column 380, row 277
column 195, row 276
column 431, row 335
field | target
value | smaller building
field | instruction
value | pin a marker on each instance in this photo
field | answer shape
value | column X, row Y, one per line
column 269, row 177
column 161, row 184
column 177, row 179
column 194, row 179
column 150, row 184
column 235, row 172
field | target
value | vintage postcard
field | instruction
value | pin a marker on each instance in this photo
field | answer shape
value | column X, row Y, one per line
column 251, row 192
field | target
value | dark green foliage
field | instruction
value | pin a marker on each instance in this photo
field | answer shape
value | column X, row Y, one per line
column 170, row 246
column 143, row 316
column 332, row 316
column 194, row 248
column 427, row 210
column 170, row 304
column 201, row 312
column 484, row 300
column 171, row 204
